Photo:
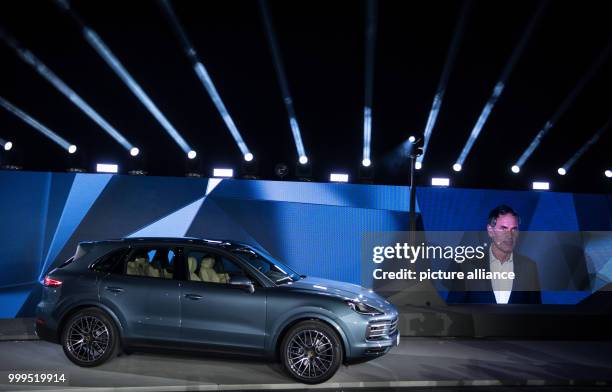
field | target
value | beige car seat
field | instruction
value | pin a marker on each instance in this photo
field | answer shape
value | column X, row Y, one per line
column 208, row 274
column 153, row 269
column 192, row 263
column 137, row 267
column 166, row 274
column 132, row 268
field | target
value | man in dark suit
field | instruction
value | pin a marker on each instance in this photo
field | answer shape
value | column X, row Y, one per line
column 503, row 231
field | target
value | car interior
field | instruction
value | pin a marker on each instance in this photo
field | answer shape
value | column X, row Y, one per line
column 204, row 267
column 155, row 263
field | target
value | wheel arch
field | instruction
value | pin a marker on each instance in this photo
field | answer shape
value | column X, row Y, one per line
column 75, row 309
column 276, row 344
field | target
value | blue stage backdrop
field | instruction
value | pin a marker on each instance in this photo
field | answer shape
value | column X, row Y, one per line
column 315, row 228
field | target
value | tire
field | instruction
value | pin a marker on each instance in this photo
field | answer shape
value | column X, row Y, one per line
column 89, row 337
column 311, row 352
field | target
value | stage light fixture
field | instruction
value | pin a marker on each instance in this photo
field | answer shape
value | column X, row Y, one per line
column 418, row 165
column 281, row 170
column 107, row 168
column 365, row 174
column 366, row 162
column 12, row 167
column 303, row 159
column 412, row 139
column 72, row 149
column 303, row 172
column 191, row 154
column 608, row 173
column 457, row 167
column 7, row 146
column 561, row 171
column 338, row 177
column 248, row 157
column 249, row 170
column 540, row 185
column 218, row 172
column 437, row 181
column 515, row 169
column 134, row 151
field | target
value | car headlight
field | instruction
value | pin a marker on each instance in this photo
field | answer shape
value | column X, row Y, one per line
column 362, row 308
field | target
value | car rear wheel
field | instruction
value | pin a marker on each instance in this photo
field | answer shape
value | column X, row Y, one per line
column 311, row 352
column 89, row 337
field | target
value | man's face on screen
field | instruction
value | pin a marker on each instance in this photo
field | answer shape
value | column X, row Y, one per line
column 505, row 232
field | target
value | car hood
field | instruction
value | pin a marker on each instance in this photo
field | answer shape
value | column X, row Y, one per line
column 344, row 290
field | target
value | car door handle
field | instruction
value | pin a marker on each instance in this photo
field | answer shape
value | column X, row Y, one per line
column 194, row 297
column 116, row 290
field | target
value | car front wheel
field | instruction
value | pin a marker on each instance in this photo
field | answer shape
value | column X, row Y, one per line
column 311, row 352
column 89, row 337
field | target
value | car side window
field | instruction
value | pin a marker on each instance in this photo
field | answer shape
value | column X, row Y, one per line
column 152, row 262
column 209, row 267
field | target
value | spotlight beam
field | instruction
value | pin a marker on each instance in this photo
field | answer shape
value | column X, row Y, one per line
column 370, row 48
column 565, row 105
column 451, row 55
column 501, row 83
column 94, row 40
column 57, row 139
column 282, row 78
column 570, row 162
column 63, row 88
column 203, row 75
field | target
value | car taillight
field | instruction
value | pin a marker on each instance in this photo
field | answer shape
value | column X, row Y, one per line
column 49, row 282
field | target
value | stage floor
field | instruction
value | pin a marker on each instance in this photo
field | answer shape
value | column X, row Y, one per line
column 417, row 363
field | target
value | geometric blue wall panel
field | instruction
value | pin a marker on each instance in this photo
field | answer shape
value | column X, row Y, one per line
column 315, row 228
column 175, row 224
column 83, row 193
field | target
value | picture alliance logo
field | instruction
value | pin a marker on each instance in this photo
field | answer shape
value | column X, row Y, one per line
column 411, row 253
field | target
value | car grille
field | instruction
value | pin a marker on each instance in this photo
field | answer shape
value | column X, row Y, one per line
column 379, row 330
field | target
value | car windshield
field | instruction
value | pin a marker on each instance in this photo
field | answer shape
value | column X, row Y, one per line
column 265, row 263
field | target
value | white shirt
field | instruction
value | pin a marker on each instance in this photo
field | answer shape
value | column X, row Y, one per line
column 502, row 288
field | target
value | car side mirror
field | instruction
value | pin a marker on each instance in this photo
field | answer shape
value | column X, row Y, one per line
column 243, row 282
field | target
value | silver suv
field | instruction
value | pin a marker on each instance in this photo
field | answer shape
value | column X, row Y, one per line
column 210, row 295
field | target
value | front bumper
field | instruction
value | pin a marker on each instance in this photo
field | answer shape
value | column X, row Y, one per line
column 368, row 350
column 375, row 337
column 381, row 347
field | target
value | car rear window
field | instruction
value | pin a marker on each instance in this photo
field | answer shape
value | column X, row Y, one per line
column 108, row 262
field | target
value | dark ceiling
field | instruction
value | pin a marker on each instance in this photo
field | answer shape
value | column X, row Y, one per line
column 322, row 44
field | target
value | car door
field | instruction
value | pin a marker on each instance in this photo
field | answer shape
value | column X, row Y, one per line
column 143, row 292
column 214, row 312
